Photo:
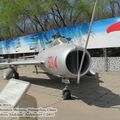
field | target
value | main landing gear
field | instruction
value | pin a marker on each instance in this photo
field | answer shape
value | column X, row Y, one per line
column 11, row 72
column 14, row 72
column 66, row 92
column 16, row 75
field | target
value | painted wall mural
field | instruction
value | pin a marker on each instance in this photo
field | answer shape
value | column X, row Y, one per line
column 77, row 34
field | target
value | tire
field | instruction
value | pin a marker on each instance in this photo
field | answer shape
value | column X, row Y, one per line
column 8, row 74
column 66, row 95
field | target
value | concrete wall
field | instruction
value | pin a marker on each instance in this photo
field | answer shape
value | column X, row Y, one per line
column 106, row 64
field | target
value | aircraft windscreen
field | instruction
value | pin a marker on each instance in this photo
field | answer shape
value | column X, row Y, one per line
column 58, row 41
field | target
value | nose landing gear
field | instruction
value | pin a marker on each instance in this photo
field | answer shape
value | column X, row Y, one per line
column 66, row 92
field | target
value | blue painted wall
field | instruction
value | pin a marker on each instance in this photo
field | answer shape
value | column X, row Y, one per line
column 30, row 43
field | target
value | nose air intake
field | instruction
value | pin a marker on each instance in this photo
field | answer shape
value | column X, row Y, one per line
column 73, row 61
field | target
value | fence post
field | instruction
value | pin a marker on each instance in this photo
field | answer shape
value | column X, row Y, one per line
column 106, row 59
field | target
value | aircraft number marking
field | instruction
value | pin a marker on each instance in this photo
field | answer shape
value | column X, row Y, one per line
column 52, row 62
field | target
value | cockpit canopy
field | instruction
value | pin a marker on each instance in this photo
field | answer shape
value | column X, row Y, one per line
column 58, row 41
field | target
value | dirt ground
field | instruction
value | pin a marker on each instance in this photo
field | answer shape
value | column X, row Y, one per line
column 96, row 98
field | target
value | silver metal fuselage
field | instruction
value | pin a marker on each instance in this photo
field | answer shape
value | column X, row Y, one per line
column 63, row 60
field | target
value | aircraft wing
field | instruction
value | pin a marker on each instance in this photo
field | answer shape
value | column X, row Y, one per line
column 23, row 62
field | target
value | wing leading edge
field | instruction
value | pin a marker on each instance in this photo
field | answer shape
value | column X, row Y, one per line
column 24, row 62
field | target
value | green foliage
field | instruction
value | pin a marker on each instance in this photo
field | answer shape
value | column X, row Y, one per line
column 19, row 17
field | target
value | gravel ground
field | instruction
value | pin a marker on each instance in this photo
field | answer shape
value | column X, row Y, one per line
column 97, row 97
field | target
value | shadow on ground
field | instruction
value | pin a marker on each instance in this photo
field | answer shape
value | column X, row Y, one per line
column 25, row 104
column 88, row 90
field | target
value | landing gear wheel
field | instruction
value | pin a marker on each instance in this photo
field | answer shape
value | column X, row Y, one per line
column 66, row 95
column 16, row 75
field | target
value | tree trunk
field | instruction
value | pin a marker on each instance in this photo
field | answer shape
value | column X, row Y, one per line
column 60, row 16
